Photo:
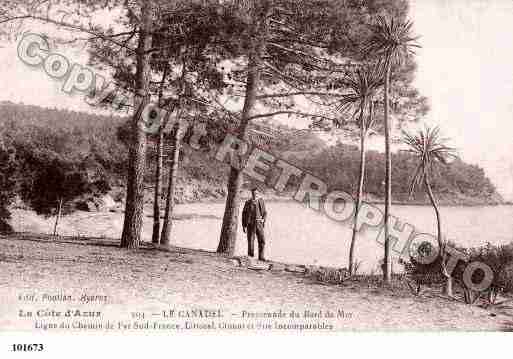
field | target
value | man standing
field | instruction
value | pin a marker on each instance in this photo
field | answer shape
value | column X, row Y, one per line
column 253, row 222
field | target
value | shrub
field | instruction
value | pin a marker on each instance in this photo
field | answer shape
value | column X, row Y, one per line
column 500, row 259
column 49, row 179
column 328, row 274
column 424, row 274
column 8, row 172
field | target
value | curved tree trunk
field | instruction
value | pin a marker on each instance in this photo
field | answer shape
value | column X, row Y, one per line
column 170, row 197
column 441, row 245
column 229, row 227
column 387, row 260
column 359, row 194
column 133, row 221
column 231, row 213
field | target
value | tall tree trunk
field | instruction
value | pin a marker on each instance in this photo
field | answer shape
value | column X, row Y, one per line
column 359, row 193
column 441, row 245
column 59, row 212
column 165, row 237
column 170, row 200
column 155, row 238
column 132, row 225
column 387, row 260
column 231, row 213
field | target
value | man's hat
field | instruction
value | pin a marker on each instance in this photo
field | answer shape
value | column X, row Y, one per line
column 254, row 188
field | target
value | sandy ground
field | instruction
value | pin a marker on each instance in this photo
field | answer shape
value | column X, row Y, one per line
column 141, row 285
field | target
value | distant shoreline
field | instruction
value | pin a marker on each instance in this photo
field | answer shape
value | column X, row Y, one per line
column 444, row 202
column 284, row 199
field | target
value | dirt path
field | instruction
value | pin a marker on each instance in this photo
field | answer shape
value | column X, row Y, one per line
column 152, row 281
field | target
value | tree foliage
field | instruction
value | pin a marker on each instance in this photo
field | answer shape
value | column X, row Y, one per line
column 86, row 143
column 60, row 154
column 457, row 182
column 8, row 171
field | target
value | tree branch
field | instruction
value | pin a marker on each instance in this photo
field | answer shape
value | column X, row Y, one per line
column 292, row 113
column 70, row 26
column 283, row 76
column 276, row 95
column 296, row 52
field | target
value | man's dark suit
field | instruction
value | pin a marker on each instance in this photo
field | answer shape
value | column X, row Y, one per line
column 253, row 219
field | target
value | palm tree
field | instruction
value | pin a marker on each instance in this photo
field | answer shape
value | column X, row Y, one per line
column 362, row 85
column 391, row 42
column 430, row 149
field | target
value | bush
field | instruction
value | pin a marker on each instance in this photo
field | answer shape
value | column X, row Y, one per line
column 50, row 179
column 500, row 259
column 424, row 274
column 8, row 172
column 60, row 155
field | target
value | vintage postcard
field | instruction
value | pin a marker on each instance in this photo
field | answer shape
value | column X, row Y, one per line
column 255, row 166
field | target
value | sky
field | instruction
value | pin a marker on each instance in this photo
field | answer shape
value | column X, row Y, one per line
column 465, row 68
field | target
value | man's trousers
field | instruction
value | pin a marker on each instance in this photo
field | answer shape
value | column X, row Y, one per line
column 257, row 229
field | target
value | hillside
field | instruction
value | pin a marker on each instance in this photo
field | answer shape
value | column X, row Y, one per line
column 458, row 183
column 91, row 145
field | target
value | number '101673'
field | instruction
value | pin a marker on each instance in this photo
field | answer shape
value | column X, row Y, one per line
column 27, row 347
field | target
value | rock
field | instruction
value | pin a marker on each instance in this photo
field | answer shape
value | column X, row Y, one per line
column 87, row 206
column 313, row 269
column 91, row 206
column 5, row 228
column 105, row 203
column 277, row 267
column 258, row 265
column 118, row 194
column 295, row 268
column 234, row 261
column 242, row 261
